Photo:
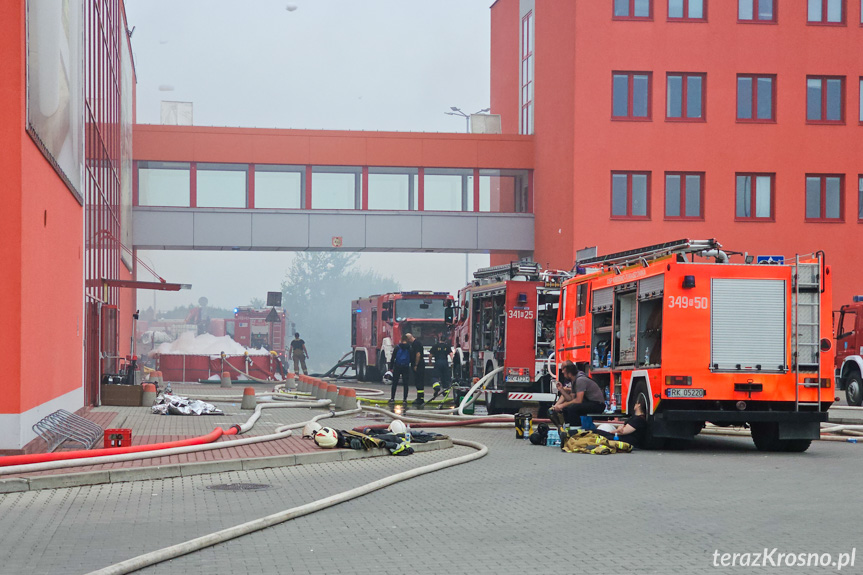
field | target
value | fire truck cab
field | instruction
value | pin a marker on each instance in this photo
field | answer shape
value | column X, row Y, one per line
column 506, row 318
column 849, row 350
column 701, row 339
column 379, row 321
column 257, row 328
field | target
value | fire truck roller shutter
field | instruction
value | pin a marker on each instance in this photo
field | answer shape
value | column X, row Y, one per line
column 747, row 323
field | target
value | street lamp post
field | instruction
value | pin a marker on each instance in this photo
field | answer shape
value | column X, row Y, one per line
column 457, row 112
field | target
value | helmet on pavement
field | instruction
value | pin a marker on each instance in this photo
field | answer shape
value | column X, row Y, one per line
column 310, row 428
column 397, row 426
column 388, row 376
column 326, row 437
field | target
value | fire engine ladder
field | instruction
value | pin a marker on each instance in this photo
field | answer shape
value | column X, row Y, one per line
column 530, row 270
column 806, row 316
column 631, row 257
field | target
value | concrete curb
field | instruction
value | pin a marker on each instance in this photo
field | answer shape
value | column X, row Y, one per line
column 61, row 480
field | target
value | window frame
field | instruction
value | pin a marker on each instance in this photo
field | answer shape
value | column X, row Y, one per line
column 755, row 20
column 630, row 96
column 528, row 62
column 685, row 17
column 631, row 15
column 683, row 100
column 860, row 198
column 823, row 21
column 753, row 197
column 823, row 197
column 842, row 100
column 754, row 109
column 629, row 174
column 682, row 200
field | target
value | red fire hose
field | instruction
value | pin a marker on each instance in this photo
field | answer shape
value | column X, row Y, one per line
column 86, row 454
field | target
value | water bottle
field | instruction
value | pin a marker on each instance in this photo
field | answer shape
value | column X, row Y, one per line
column 646, row 355
column 616, row 438
column 607, row 400
column 608, row 359
column 595, row 357
column 408, row 433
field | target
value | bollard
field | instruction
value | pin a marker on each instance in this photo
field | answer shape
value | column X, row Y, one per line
column 226, row 379
column 332, row 394
column 303, row 385
column 319, row 388
column 340, row 400
column 249, row 399
column 149, row 395
column 350, row 400
column 156, row 377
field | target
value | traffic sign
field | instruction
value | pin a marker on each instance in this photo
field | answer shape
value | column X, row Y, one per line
column 777, row 260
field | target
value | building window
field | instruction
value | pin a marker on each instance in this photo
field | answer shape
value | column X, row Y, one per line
column 687, row 10
column 685, row 97
column 630, row 95
column 861, row 99
column 393, row 188
column 684, row 195
column 279, row 187
column 630, row 195
column 825, row 99
column 826, row 12
column 527, row 64
column 756, row 95
column 222, row 185
column 755, row 197
column 824, row 198
column 164, row 184
column 633, row 9
column 761, row 11
column 860, row 198
column 336, row 188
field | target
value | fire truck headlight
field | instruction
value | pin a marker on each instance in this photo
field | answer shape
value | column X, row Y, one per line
column 741, row 405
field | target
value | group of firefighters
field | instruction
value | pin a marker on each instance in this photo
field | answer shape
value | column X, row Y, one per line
column 408, row 363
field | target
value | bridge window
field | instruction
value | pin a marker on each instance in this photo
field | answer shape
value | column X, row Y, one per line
column 279, row 186
column 164, row 184
column 336, row 188
column 503, row 191
column 393, row 188
column 448, row 190
column 222, row 185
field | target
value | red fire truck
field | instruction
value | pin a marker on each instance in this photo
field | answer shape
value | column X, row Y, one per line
column 701, row 339
column 379, row 321
column 256, row 328
column 849, row 350
column 506, row 318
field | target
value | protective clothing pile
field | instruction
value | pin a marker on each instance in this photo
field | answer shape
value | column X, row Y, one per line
column 397, row 443
column 589, row 442
column 168, row 404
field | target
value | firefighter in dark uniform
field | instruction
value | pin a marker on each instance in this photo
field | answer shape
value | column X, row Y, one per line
column 418, row 367
column 440, row 353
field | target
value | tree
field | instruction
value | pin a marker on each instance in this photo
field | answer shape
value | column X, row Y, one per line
column 317, row 293
column 256, row 303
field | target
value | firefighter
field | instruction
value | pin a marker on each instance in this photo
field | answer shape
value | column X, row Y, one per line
column 400, row 366
column 418, row 367
column 584, row 398
column 440, row 353
column 299, row 354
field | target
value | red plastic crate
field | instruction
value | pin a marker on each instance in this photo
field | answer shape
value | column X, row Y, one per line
column 118, row 437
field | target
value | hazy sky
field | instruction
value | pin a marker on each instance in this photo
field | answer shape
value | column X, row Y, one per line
column 329, row 64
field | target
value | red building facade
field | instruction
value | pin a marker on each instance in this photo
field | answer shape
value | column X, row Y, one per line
column 656, row 120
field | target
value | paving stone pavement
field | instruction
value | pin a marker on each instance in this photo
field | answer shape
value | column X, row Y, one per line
column 520, row 509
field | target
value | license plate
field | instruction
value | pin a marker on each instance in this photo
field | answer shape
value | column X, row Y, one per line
column 518, row 378
column 684, row 392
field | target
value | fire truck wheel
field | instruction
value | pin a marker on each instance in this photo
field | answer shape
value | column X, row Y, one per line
column 456, row 367
column 765, row 435
column 854, row 389
column 650, row 441
column 361, row 367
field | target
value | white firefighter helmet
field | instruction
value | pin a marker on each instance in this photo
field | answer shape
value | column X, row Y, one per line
column 397, row 426
column 310, row 428
column 388, row 376
column 326, row 437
